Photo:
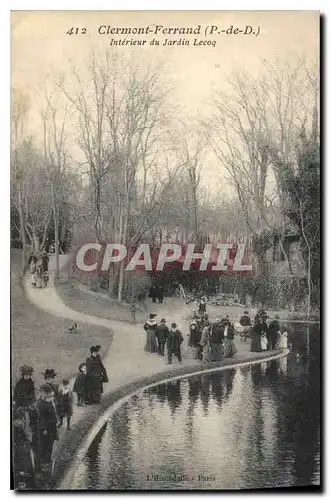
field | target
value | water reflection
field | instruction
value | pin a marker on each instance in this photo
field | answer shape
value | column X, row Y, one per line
column 252, row 427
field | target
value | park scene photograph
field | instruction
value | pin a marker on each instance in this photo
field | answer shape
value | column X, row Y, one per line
column 165, row 251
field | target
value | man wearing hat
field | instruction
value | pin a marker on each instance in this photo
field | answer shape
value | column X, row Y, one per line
column 104, row 375
column 161, row 335
column 47, row 424
column 49, row 375
column 150, row 327
column 272, row 333
column 24, row 392
column 174, row 342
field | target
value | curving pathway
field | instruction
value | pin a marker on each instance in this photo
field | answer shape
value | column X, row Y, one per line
column 126, row 361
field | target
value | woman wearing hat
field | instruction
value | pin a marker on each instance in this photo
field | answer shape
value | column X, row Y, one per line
column 150, row 327
column 24, row 392
column 95, row 376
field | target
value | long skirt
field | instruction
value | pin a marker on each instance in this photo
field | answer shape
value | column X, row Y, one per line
column 255, row 343
column 93, row 388
column 216, row 352
column 151, row 342
column 229, row 348
column 206, row 353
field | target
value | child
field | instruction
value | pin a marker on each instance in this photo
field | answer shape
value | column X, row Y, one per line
column 79, row 386
column 65, row 403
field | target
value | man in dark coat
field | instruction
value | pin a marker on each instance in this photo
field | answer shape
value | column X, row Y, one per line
column 174, row 342
column 47, row 424
column 24, row 392
column 95, row 374
column 160, row 293
column 272, row 331
column 49, row 375
column 161, row 335
column 153, row 293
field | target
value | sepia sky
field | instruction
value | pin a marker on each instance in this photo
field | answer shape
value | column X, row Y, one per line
column 40, row 47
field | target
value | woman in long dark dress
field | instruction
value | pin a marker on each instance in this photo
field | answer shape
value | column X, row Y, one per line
column 94, row 377
column 257, row 332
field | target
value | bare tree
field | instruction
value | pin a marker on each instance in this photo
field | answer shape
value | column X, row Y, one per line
column 54, row 121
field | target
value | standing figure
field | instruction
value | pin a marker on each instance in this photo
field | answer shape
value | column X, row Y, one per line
column 216, row 340
column 205, row 343
column 104, row 375
column 174, row 342
column 160, row 293
column 202, row 306
column 256, row 335
column 65, row 401
column 150, row 328
column 245, row 322
column 47, row 424
column 272, row 333
column 49, row 375
column 153, row 293
column 32, row 262
column 39, row 273
column 194, row 339
column 45, row 261
column 24, row 392
column 79, row 386
column 94, row 377
column 162, row 335
column 229, row 335
column 23, row 470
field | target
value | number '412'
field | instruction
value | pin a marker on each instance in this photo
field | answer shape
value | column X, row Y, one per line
column 77, row 31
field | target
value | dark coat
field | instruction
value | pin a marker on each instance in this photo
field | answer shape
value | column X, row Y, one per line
column 245, row 320
column 65, row 403
column 24, row 392
column 195, row 336
column 174, row 340
column 273, row 328
column 159, row 292
column 162, row 333
column 79, row 386
column 217, row 334
column 23, row 467
column 47, row 418
column 96, row 375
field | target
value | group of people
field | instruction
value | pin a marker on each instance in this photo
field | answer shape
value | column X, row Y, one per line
column 39, row 269
column 211, row 341
column 156, row 292
column 160, row 335
column 266, row 336
column 36, row 420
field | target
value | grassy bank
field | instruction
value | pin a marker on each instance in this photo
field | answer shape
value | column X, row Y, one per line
column 42, row 340
column 96, row 304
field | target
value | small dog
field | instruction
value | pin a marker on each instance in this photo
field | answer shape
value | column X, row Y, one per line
column 73, row 328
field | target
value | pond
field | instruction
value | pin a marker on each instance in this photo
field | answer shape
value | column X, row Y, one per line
column 250, row 427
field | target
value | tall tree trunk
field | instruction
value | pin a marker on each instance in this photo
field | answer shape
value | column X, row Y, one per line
column 23, row 235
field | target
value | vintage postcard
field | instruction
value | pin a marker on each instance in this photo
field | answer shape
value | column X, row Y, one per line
column 165, row 250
